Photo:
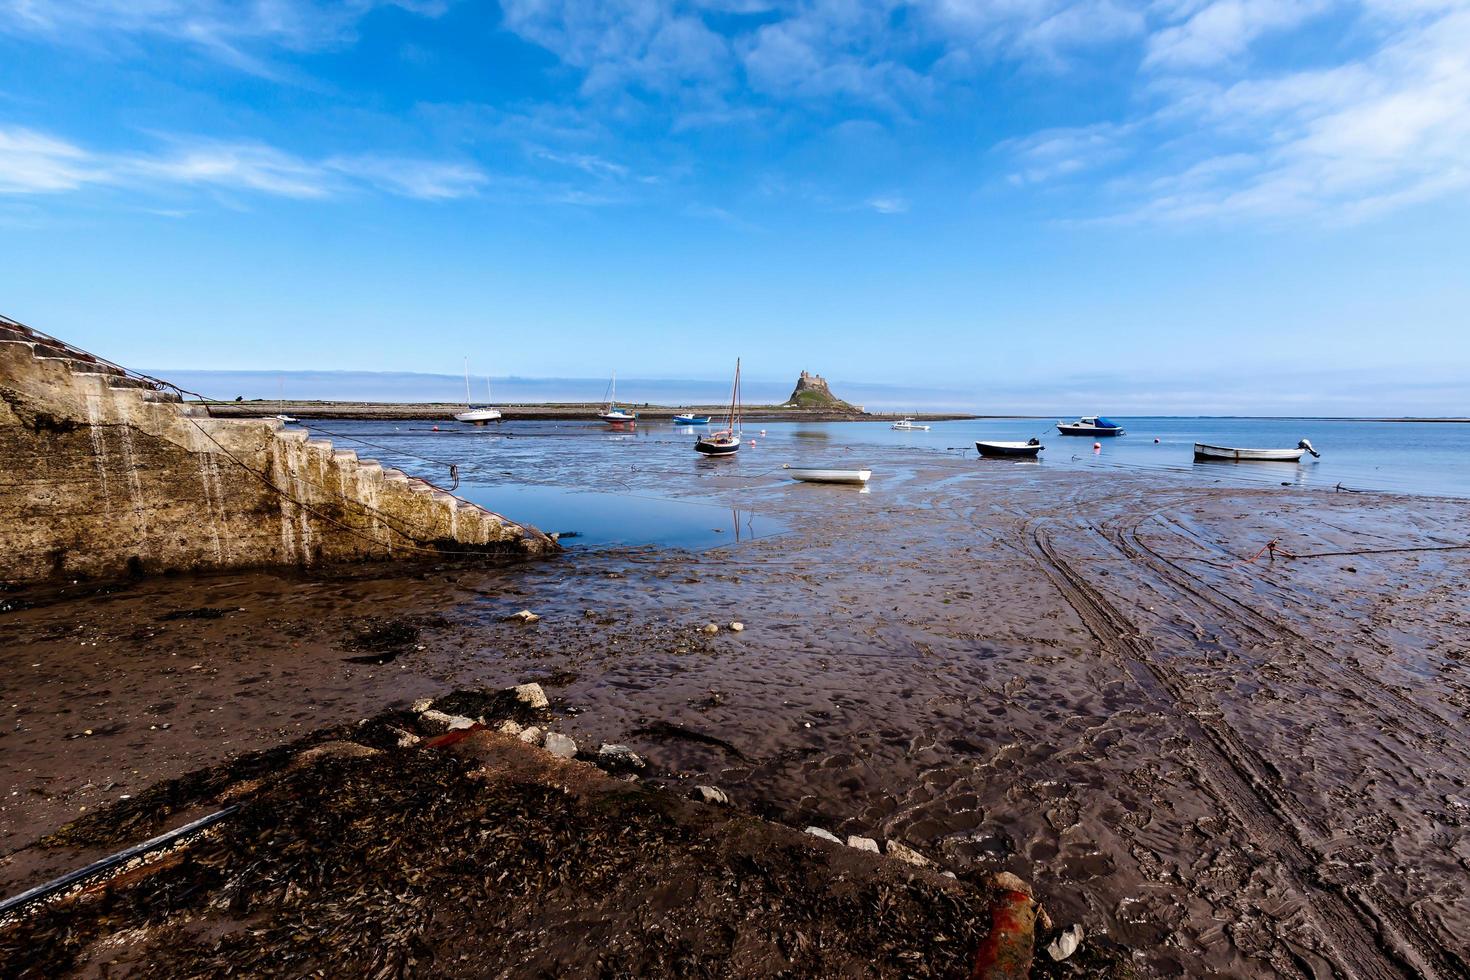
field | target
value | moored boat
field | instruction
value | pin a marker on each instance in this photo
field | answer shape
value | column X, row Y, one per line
column 810, row 474
column 1090, row 425
column 289, row 420
column 473, row 415
column 691, row 420
column 725, row 442
column 906, row 425
column 611, row 412
column 1011, row 449
column 1231, row 454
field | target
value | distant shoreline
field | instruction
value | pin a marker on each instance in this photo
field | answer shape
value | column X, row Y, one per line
column 553, row 411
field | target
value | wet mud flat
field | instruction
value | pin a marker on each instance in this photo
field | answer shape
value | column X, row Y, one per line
column 1220, row 766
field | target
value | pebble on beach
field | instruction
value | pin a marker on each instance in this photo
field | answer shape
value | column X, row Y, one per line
column 737, row 626
column 509, row 727
column 862, row 843
column 823, row 834
column 711, row 794
column 532, row 695
column 620, row 755
column 1065, row 944
column 902, row 852
column 531, row 735
column 711, row 628
column 560, row 745
column 524, row 616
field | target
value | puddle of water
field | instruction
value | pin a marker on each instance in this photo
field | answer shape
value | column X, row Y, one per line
column 600, row 518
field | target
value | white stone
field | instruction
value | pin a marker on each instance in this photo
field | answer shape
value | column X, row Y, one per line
column 531, row 735
column 560, row 745
column 531, row 695
column 823, row 834
column 902, row 852
column 1065, row 944
column 862, row 843
column 438, row 719
column 736, row 627
column 509, row 727
column 711, row 628
column 712, row 795
column 422, row 705
column 524, row 616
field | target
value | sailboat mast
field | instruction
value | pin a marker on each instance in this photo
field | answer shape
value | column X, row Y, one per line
column 466, row 382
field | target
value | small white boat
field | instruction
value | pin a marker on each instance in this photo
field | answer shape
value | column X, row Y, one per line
column 907, row 425
column 289, row 420
column 1230, row 454
column 611, row 412
column 472, row 415
column 809, row 474
column 1012, row 449
column 1091, row 425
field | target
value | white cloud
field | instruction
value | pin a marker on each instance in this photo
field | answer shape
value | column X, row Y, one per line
column 1056, row 153
column 1223, row 29
column 1383, row 132
column 35, row 163
column 888, row 204
column 226, row 29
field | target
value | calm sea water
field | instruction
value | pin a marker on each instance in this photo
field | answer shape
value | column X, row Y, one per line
column 646, row 486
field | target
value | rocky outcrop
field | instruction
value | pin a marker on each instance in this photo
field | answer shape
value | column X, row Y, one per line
column 812, row 391
column 103, row 474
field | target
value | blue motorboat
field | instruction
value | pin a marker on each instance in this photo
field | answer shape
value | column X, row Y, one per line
column 691, row 420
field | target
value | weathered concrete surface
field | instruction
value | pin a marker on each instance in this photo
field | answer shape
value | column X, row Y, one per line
column 102, row 476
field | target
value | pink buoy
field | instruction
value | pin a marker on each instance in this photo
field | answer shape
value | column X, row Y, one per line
column 436, row 428
column 1097, row 446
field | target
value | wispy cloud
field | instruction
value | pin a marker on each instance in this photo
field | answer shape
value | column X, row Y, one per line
column 241, row 33
column 37, row 163
column 1387, row 129
column 888, row 204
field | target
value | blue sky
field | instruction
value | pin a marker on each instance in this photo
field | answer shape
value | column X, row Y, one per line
column 994, row 196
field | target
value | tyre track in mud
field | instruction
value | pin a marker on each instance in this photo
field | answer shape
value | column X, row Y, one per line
column 1363, row 937
column 1387, row 911
column 1270, row 631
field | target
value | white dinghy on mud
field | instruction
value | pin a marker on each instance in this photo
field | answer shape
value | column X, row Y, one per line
column 808, row 474
column 1228, row 454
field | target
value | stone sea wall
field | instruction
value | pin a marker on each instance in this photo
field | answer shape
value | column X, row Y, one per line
column 101, row 475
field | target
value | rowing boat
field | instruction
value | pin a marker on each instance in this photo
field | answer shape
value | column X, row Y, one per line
column 808, row 474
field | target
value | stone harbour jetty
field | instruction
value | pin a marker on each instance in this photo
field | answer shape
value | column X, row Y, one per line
column 108, row 473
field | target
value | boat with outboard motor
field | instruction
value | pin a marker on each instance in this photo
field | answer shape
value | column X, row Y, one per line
column 1090, row 425
column 1010, row 449
column 725, row 442
column 1229, row 454
column 691, row 420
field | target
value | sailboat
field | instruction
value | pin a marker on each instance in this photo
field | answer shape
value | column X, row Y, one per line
column 611, row 412
column 471, row 414
column 725, row 442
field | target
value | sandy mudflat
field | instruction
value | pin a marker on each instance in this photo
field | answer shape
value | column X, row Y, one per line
column 1251, row 769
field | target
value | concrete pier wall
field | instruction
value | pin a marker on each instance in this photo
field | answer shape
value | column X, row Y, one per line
column 103, row 476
